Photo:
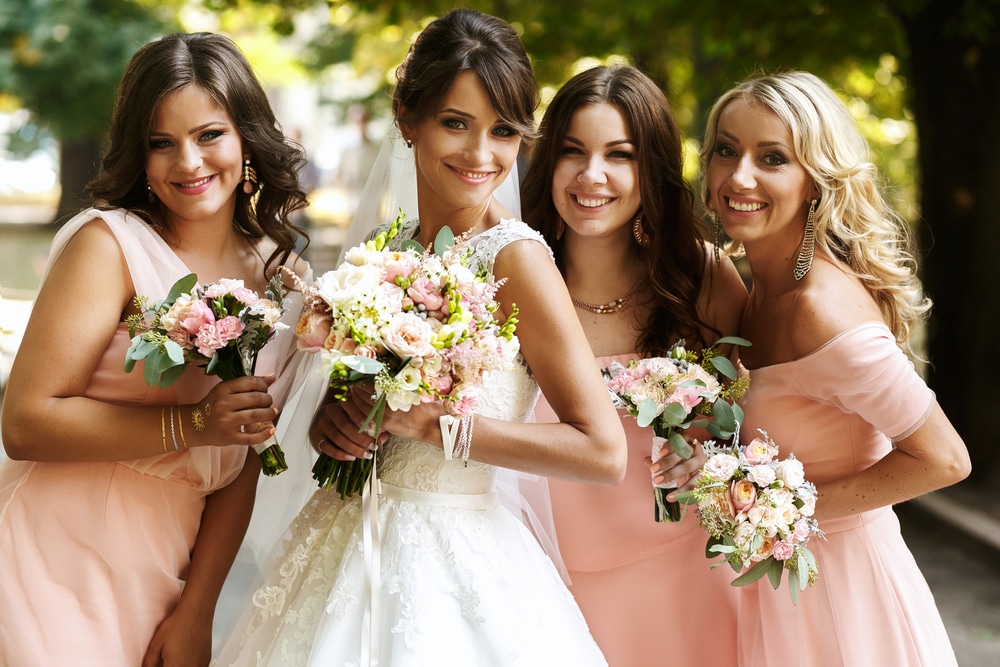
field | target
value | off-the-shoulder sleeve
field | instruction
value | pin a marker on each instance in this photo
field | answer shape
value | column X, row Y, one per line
column 863, row 371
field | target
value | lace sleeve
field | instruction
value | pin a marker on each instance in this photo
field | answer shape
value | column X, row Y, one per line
column 487, row 245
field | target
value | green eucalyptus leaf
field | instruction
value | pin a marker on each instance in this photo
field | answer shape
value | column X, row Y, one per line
column 793, row 585
column 183, row 286
column 170, row 375
column 444, row 240
column 646, row 412
column 753, row 574
column 733, row 340
column 774, row 571
column 680, row 445
column 410, row 244
column 685, row 498
column 724, row 366
column 365, row 366
column 673, row 415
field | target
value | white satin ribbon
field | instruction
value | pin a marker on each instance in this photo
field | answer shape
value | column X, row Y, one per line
column 373, row 568
column 372, row 543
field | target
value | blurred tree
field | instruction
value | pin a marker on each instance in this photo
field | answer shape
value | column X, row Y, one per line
column 63, row 59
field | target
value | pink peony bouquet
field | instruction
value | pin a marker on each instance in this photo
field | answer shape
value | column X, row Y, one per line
column 222, row 326
column 417, row 324
column 675, row 392
column 757, row 511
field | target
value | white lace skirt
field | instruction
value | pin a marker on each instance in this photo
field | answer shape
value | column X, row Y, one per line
column 459, row 587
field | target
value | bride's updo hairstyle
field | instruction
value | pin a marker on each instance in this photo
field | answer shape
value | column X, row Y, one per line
column 214, row 63
column 462, row 40
column 853, row 222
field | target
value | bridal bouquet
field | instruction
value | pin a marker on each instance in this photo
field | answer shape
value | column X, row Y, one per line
column 222, row 326
column 675, row 392
column 756, row 510
column 418, row 324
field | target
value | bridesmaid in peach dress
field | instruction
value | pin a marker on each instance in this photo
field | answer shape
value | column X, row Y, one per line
column 834, row 301
column 606, row 189
column 114, row 541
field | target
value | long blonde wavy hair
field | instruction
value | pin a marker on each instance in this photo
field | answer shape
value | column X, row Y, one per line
column 853, row 220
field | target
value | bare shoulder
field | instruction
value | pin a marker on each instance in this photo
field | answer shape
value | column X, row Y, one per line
column 723, row 295
column 829, row 303
column 527, row 257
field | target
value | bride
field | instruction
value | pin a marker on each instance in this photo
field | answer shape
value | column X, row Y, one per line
column 450, row 576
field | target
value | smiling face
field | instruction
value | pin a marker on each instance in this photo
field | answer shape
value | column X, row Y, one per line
column 464, row 151
column 758, row 187
column 595, row 184
column 195, row 160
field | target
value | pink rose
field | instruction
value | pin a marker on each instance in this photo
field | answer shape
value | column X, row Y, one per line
column 721, row 466
column 407, row 335
column 802, row 531
column 424, row 291
column 194, row 316
column 760, row 451
column 312, row 331
column 743, row 494
column 783, row 550
column 688, row 397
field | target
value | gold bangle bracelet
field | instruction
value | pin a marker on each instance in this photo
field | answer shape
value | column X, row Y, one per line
column 163, row 427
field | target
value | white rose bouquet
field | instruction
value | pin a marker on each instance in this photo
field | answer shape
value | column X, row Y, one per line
column 675, row 392
column 418, row 324
column 222, row 326
column 757, row 511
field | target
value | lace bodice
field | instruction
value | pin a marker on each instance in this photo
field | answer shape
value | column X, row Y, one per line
column 509, row 395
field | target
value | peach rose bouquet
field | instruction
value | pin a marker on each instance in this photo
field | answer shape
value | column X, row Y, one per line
column 419, row 325
column 222, row 326
column 757, row 510
column 672, row 393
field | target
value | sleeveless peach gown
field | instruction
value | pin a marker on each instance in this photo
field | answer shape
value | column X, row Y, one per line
column 834, row 409
column 94, row 555
column 647, row 590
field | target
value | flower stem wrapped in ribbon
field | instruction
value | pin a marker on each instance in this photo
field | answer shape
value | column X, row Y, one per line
column 673, row 393
column 419, row 325
column 757, row 511
column 222, row 326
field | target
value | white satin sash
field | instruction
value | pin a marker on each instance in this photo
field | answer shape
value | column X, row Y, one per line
column 373, row 546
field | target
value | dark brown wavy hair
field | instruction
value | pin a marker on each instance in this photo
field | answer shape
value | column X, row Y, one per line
column 459, row 41
column 212, row 62
column 676, row 254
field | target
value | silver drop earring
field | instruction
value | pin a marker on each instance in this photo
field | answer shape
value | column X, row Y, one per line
column 804, row 261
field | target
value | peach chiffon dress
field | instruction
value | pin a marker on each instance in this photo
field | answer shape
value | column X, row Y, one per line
column 838, row 410
column 647, row 590
column 93, row 556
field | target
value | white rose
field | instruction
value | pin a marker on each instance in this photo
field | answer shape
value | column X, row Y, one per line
column 349, row 283
column 761, row 475
column 791, row 473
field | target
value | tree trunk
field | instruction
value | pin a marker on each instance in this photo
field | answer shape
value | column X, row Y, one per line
column 79, row 161
column 955, row 89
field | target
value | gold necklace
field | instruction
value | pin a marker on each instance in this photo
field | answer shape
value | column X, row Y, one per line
column 612, row 306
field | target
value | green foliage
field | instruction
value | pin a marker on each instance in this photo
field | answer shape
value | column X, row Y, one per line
column 63, row 58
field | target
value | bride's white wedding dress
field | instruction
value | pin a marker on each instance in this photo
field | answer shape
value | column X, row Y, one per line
column 463, row 582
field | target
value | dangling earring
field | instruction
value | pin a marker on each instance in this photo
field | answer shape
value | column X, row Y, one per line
column 249, row 175
column 409, row 144
column 717, row 229
column 804, row 261
column 640, row 235
column 560, row 229
column 149, row 192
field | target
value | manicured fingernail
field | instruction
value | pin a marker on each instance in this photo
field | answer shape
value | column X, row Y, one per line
column 270, row 431
column 369, row 455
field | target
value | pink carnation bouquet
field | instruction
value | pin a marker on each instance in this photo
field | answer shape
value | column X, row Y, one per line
column 222, row 326
column 673, row 393
column 417, row 324
column 757, row 510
